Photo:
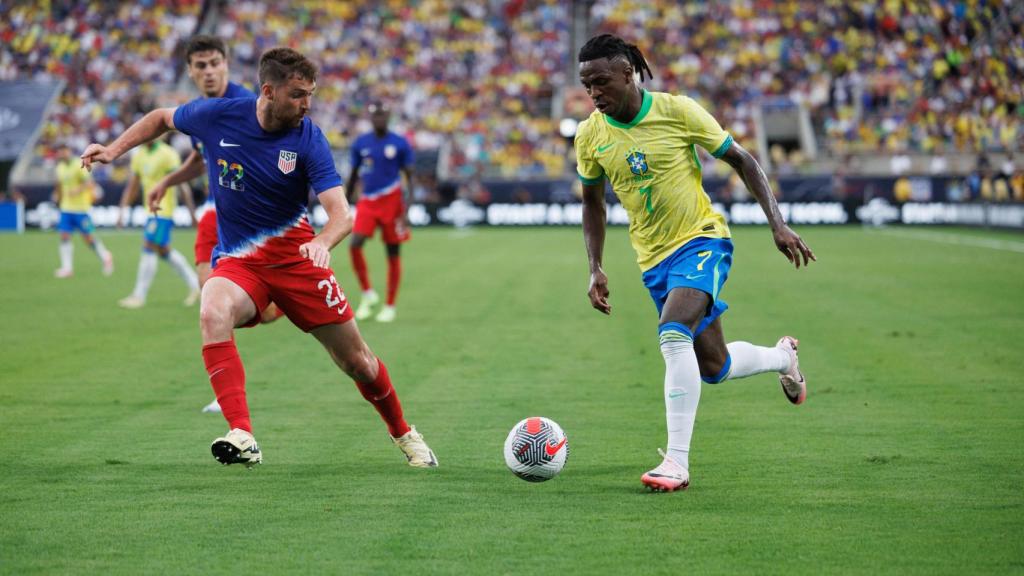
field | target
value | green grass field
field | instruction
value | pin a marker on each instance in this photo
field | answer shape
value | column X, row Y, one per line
column 907, row 457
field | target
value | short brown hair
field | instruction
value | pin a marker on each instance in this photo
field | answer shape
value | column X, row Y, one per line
column 204, row 43
column 278, row 65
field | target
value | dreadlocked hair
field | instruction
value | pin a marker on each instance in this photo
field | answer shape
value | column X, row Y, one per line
column 610, row 46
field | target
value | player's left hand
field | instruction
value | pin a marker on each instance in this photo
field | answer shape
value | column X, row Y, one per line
column 790, row 244
column 96, row 153
column 319, row 254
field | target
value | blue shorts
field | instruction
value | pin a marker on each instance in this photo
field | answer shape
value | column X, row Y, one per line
column 71, row 221
column 702, row 264
column 158, row 231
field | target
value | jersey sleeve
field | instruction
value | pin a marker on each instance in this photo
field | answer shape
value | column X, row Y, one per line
column 589, row 171
column 408, row 156
column 353, row 155
column 701, row 128
column 194, row 117
column 320, row 164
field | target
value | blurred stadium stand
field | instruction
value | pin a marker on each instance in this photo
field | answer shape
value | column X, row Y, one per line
column 906, row 100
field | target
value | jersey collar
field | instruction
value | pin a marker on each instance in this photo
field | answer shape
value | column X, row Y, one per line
column 645, row 107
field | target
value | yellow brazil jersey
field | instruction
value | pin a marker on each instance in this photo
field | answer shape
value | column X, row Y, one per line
column 151, row 163
column 76, row 186
column 653, row 168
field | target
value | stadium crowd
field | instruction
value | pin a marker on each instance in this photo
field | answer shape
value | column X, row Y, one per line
column 113, row 56
column 892, row 76
column 482, row 76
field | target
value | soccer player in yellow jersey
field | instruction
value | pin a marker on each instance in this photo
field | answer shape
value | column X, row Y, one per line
column 150, row 163
column 75, row 193
column 644, row 143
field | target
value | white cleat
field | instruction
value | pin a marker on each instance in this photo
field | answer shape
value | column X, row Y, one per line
column 212, row 407
column 386, row 314
column 415, row 449
column 793, row 384
column 108, row 265
column 62, row 273
column 366, row 304
column 131, row 302
column 237, row 447
column 192, row 298
column 669, row 476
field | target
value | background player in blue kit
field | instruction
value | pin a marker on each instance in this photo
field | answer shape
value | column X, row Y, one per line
column 266, row 156
column 382, row 160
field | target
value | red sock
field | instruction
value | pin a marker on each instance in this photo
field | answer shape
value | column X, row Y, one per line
column 384, row 398
column 359, row 265
column 394, row 275
column 227, row 376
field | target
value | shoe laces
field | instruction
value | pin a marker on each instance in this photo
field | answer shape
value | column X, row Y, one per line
column 668, row 464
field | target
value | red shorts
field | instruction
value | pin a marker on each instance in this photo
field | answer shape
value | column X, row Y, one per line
column 386, row 212
column 308, row 295
column 206, row 236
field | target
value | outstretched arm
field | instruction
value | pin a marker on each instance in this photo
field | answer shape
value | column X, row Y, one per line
column 339, row 225
column 594, row 218
column 787, row 241
column 151, row 126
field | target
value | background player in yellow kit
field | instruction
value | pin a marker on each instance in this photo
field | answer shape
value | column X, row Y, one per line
column 150, row 163
column 75, row 193
column 644, row 143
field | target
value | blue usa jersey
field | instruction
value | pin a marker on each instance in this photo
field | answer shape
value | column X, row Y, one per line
column 379, row 161
column 233, row 91
column 262, row 179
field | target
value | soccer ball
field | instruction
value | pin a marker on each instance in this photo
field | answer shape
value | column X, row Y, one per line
column 536, row 449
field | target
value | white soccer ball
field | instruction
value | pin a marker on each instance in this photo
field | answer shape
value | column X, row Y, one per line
column 536, row 449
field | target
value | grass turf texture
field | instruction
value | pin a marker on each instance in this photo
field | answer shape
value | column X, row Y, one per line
column 906, row 457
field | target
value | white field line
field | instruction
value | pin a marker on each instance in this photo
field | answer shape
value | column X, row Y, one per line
column 956, row 239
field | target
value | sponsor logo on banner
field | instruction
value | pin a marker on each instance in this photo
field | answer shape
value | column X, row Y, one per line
column 286, row 161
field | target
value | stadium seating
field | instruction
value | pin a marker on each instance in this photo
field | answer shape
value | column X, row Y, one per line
column 895, row 76
column 480, row 79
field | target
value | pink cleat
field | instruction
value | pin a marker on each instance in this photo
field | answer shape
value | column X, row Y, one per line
column 669, row 476
column 62, row 273
column 793, row 384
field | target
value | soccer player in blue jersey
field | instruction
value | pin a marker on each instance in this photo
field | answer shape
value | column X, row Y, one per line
column 644, row 144
column 382, row 160
column 266, row 156
column 207, row 60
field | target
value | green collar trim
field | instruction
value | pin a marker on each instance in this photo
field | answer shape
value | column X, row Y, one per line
column 645, row 107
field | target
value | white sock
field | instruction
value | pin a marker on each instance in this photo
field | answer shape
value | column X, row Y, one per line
column 182, row 267
column 147, row 270
column 682, row 388
column 748, row 359
column 67, row 251
column 100, row 249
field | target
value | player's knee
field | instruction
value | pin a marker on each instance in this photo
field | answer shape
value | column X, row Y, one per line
column 214, row 320
column 394, row 249
column 715, row 370
column 357, row 241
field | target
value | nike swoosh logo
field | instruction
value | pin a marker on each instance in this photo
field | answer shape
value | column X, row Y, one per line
column 695, row 276
column 552, row 450
column 676, row 394
column 224, row 144
column 603, row 148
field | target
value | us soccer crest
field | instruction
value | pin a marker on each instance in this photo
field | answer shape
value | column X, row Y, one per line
column 637, row 161
column 286, row 161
